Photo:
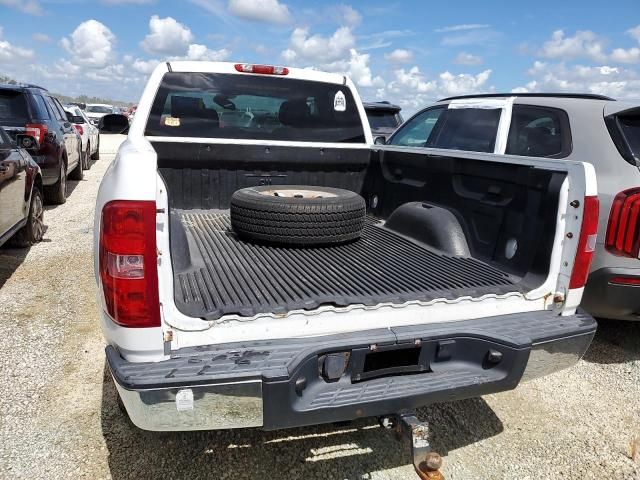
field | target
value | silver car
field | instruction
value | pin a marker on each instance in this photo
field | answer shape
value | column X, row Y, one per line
column 582, row 127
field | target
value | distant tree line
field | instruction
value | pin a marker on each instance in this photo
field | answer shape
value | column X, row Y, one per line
column 67, row 99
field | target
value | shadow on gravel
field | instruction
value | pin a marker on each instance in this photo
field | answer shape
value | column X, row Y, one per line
column 10, row 260
column 616, row 341
column 71, row 186
column 323, row 452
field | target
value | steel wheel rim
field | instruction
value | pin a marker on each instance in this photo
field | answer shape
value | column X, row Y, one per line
column 308, row 193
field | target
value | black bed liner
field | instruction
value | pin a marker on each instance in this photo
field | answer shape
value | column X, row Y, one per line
column 216, row 273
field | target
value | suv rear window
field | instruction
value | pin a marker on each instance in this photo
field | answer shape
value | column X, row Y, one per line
column 212, row 105
column 41, row 107
column 539, row 132
column 624, row 129
column 13, row 108
column 381, row 119
column 470, row 129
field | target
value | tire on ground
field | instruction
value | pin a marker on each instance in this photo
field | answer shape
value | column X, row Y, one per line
column 297, row 215
column 56, row 194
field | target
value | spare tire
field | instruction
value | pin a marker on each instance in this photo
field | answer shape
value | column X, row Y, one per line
column 297, row 214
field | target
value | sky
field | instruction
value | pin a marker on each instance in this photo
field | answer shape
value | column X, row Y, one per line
column 408, row 52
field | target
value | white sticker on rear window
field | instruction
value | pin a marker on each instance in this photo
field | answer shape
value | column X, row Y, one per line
column 339, row 102
column 184, row 400
column 172, row 122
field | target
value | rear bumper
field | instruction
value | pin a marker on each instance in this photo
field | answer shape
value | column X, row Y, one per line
column 606, row 300
column 280, row 384
column 50, row 168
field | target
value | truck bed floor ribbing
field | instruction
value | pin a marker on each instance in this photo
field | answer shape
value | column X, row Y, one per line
column 219, row 274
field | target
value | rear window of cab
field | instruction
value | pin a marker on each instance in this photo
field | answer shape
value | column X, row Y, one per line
column 214, row 105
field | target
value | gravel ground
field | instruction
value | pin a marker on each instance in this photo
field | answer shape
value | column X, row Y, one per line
column 59, row 417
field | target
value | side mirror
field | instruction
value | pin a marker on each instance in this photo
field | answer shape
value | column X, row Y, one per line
column 114, row 123
column 69, row 117
column 27, row 142
column 78, row 119
column 380, row 141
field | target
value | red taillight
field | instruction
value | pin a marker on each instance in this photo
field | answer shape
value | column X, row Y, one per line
column 586, row 243
column 128, row 263
column 37, row 130
column 625, row 281
column 79, row 129
column 261, row 69
column 623, row 231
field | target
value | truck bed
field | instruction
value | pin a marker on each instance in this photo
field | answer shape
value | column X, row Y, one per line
column 217, row 274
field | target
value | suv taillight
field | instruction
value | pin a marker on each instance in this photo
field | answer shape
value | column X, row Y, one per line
column 586, row 243
column 78, row 129
column 36, row 130
column 128, row 263
column 623, row 231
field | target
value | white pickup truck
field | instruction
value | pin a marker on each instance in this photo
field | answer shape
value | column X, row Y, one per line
column 465, row 280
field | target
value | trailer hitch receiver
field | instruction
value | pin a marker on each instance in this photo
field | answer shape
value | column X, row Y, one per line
column 426, row 462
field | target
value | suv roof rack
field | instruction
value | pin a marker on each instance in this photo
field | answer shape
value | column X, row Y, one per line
column 21, row 85
column 589, row 96
column 384, row 105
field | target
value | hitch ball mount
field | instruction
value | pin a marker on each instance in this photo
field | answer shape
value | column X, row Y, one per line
column 426, row 462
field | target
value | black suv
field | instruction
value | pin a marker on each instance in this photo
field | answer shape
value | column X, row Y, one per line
column 31, row 110
column 21, row 211
column 384, row 118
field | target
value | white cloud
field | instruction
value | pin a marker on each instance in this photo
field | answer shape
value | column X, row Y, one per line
column 166, row 37
column 631, row 55
column 31, row 7
column 10, row 52
column 318, row 49
column 144, row 67
column 271, row 11
column 347, row 15
column 357, row 68
column 605, row 80
column 622, row 55
column 634, row 32
column 399, row 55
column 464, row 58
column 463, row 83
column 412, row 89
column 201, row 52
column 584, row 44
column 464, row 26
column 41, row 37
column 115, row 72
column 91, row 44
column 412, row 79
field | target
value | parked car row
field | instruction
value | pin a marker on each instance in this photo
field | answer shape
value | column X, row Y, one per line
column 89, row 134
column 42, row 144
